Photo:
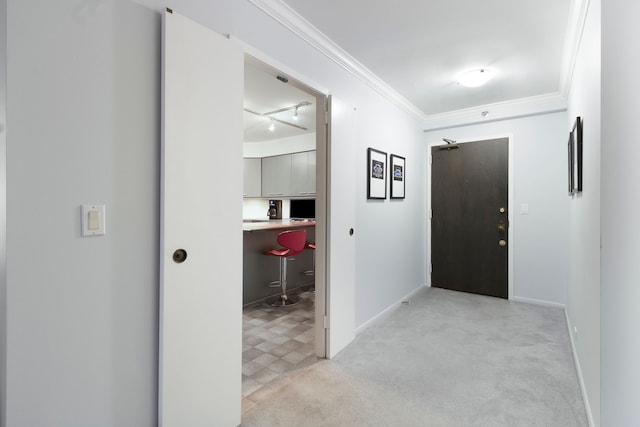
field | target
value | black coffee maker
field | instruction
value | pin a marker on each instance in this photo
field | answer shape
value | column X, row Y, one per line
column 275, row 209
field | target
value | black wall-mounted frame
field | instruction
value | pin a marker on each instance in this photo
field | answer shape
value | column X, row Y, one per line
column 398, row 174
column 575, row 153
column 376, row 174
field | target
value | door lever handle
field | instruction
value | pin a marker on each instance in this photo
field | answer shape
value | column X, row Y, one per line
column 502, row 227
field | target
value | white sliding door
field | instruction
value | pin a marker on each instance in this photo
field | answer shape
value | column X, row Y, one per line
column 201, row 295
column 341, row 224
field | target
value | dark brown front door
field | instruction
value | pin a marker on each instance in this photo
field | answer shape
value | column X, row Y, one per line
column 469, row 226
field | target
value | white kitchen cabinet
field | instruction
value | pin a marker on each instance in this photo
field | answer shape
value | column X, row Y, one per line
column 303, row 174
column 252, row 178
column 276, row 176
column 289, row 175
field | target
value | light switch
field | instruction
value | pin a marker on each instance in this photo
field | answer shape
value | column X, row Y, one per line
column 93, row 221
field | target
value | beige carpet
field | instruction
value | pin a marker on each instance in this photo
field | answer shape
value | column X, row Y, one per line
column 446, row 359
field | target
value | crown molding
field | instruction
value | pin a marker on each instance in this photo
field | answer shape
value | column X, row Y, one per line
column 523, row 107
column 541, row 104
column 575, row 29
column 290, row 19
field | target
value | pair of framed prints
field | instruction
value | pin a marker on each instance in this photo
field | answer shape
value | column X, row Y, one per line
column 377, row 175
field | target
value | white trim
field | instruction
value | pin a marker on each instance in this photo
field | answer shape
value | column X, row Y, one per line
column 540, row 302
column 576, row 360
column 387, row 311
column 511, row 179
column 573, row 38
column 290, row 19
column 534, row 105
column 257, row 55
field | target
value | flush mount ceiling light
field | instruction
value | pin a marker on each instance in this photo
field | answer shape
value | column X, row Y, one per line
column 475, row 78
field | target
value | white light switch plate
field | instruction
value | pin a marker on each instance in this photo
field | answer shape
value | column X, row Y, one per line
column 93, row 221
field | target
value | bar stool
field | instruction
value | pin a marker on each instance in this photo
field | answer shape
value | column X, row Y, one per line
column 293, row 242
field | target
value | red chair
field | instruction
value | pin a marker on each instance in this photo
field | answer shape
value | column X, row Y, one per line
column 293, row 242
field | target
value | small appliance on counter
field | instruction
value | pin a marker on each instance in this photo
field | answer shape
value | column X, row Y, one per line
column 275, row 209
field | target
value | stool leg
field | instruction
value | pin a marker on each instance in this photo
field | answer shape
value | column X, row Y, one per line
column 312, row 272
column 282, row 300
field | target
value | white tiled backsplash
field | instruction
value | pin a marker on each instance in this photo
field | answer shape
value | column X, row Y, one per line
column 257, row 208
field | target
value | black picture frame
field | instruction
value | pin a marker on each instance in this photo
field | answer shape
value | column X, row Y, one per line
column 575, row 154
column 397, row 166
column 570, row 165
column 376, row 174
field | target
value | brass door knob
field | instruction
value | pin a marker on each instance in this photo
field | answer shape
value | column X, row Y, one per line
column 502, row 243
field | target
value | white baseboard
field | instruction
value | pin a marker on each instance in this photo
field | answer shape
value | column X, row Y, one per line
column 538, row 302
column 387, row 311
column 583, row 389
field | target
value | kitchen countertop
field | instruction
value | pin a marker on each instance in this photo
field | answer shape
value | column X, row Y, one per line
column 274, row 224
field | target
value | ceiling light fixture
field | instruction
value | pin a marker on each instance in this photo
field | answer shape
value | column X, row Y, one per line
column 272, row 126
column 475, row 78
column 273, row 119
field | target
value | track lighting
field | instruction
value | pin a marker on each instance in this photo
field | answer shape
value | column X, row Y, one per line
column 270, row 115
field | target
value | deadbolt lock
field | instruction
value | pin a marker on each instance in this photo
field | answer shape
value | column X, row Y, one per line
column 502, row 210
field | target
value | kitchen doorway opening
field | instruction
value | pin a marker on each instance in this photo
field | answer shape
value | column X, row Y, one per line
column 285, row 166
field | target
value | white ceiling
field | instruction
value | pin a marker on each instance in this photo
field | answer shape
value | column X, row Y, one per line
column 264, row 93
column 419, row 47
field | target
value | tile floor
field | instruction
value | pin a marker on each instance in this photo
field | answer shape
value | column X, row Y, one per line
column 276, row 344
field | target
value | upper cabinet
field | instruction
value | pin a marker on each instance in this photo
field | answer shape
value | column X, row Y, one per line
column 303, row 174
column 276, row 176
column 252, row 178
column 289, row 175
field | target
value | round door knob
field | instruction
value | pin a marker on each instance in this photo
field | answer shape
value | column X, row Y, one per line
column 179, row 256
column 502, row 243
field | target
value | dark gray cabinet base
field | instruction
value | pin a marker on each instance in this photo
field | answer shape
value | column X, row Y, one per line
column 259, row 269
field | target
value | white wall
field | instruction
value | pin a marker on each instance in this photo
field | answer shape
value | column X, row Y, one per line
column 276, row 147
column 390, row 253
column 540, row 238
column 3, row 205
column 83, row 112
column 620, row 275
column 583, row 290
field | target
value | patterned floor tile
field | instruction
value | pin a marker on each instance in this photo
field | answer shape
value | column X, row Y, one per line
column 277, row 342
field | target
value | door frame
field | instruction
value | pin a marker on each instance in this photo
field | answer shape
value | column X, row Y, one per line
column 511, row 193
